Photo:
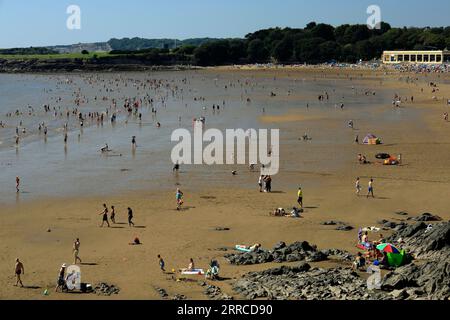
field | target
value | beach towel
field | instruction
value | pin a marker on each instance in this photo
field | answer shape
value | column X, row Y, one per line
column 196, row 272
column 242, row 248
column 371, row 229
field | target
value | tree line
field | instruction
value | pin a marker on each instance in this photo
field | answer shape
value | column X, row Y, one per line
column 319, row 43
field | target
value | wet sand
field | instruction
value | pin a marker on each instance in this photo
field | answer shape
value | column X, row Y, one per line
column 325, row 167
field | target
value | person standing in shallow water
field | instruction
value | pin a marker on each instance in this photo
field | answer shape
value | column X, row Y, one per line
column 105, row 216
column 17, row 184
column 179, row 197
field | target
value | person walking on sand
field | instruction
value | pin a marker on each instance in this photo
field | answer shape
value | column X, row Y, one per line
column 358, row 186
column 370, row 191
column 113, row 214
column 260, row 183
column 61, row 278
column 130, row 217
column 76, row 251
column 18, row 271
column 17, row 184
column 300, row 197
column 162, row 264
column 179, row 197
column 105, row 216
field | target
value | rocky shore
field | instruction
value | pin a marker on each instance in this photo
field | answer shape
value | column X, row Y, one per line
column 426, row 277
column 298, row 251
column 82, row 65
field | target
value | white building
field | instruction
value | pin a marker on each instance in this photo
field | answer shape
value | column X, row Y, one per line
column 416, row 57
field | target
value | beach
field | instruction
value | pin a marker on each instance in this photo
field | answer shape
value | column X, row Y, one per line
column 64, row 187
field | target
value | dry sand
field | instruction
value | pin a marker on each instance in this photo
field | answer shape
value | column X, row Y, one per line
column 421, row 184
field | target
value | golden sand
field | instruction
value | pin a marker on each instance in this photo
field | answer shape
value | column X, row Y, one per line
column 422, row 184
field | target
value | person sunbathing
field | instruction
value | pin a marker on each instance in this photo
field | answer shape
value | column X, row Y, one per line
column 280, row 212
column 255, row 247
column 362, row 159
column 136, row 242
column 295, row 213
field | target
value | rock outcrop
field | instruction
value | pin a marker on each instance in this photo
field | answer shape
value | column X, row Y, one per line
column 305, row 283
column 298, row 251
column 427, row 277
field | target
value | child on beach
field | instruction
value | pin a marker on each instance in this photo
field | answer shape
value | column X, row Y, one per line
column 105, row 216
column 358, row 186
column 179, row 197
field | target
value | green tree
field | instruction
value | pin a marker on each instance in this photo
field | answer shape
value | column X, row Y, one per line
column 283, row 50
column 324, row 31
column 257, row 51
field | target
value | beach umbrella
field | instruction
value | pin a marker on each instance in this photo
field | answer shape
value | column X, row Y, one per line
column 387, row 247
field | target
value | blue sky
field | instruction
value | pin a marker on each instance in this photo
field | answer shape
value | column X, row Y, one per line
column 43, row 22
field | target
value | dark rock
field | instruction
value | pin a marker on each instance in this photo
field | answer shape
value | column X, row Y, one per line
column 105, row 289
column 341, row 254
column 427, row 217
column 317, row 257
column 304, row 283
column 297, row 251
column 431, row 278
column 280, row 245
column 222, row 229
column 425, row 242
column 344, row 228
column 390, row 225
column 215, row 293
column 331, row 223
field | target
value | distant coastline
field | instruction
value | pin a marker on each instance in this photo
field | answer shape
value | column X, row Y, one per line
column 80, row 65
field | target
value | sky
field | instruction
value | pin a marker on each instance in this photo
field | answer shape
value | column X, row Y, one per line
column 25, row 23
